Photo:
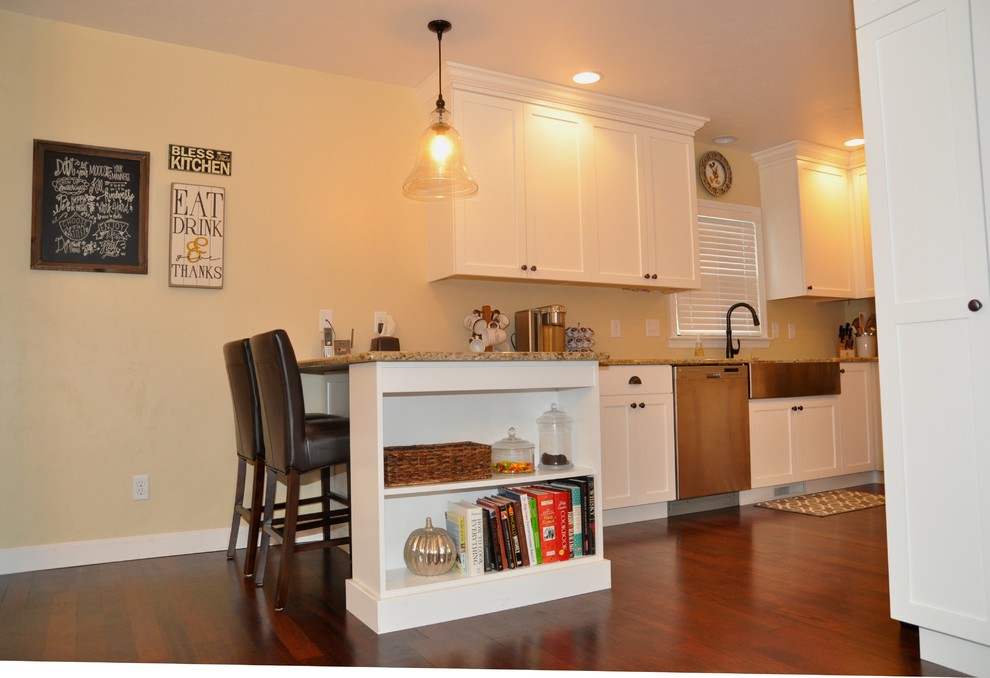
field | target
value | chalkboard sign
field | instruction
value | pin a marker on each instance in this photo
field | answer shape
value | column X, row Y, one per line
column 90, row 209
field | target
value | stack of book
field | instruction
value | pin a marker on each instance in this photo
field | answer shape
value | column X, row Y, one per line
column 524, row 525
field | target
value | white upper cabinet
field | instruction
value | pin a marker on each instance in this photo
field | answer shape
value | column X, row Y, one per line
column 574, row 187
column 815, row 234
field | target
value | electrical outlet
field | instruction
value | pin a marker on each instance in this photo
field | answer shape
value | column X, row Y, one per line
column 380, row 317
column 652, row 327
column 774, row 330
column 140, row 488
column 616, row 328
column 326, row 320
column 791, row 331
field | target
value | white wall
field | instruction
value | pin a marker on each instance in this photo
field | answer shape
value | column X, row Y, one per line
column 103, row 376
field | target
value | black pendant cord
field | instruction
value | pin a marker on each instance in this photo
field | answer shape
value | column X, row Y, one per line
column 438, row 26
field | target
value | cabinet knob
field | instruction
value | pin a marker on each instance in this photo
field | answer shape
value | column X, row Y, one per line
column 646, row 275
column 797, row 408
column 654, row 276
column 532, row 268
column 524, row 267
column 635, row 380
column 810, row 287
column 642, row 406
column 975, row 305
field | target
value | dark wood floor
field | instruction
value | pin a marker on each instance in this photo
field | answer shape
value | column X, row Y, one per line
column 739, row 590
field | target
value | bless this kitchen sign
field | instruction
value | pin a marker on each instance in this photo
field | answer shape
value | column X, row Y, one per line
column 202, row 160
column 196, row 240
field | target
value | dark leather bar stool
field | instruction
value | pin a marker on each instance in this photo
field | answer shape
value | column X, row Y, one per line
column 250, row 447
column 294, row 446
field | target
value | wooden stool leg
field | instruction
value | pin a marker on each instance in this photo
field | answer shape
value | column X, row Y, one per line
column 270, row 483
column 327, row 503
column 238, row 506
column 289, row 537
column 254, row 526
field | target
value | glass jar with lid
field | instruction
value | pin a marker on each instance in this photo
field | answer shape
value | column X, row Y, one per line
column 555, row 439
column 513, row 456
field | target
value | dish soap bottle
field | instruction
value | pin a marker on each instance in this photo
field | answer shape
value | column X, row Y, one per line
column 699, row 349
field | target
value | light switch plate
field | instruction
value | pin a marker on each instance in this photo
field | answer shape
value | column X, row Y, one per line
column 616, row 328
column 652, row 327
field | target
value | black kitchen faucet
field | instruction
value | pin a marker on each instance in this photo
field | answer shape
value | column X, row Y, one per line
column 730, row 350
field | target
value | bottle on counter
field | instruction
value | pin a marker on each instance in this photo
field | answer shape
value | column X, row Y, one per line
column 699, row 348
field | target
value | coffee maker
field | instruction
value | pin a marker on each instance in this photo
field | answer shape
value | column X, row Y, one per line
column 541, row 329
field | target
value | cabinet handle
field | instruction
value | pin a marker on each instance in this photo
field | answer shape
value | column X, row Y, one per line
column 810, row 287
column 635, row 380
column 975, row 305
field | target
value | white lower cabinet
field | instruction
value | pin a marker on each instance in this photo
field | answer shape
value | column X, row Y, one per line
column 410, row 403
column 793, row 439
column 859, row 418
column 637, row 422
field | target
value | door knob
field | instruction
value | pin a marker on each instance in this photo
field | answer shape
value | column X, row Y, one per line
column 975, row 305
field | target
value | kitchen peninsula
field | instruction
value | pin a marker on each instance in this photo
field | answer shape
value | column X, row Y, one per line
column 413, row 398
column 403, row 398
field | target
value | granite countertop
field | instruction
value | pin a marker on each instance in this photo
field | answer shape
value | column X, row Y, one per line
column 728, row 361
column 342, row 362
column 318, row 365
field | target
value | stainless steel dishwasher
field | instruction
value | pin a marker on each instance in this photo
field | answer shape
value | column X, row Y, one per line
column 711, row 409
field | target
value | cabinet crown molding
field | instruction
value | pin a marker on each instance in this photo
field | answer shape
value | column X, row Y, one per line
column 473, row 79
column 805, row 150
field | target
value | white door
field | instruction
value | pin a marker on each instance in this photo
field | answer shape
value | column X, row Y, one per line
column 929, row 225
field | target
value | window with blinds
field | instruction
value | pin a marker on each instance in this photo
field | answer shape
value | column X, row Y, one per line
column 730, row 273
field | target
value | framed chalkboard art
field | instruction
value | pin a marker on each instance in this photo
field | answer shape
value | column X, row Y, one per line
column 89, row 209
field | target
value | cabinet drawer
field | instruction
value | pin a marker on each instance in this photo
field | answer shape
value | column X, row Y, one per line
column 630, row 379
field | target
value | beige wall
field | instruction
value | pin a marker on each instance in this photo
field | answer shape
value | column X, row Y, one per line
column 103, row 376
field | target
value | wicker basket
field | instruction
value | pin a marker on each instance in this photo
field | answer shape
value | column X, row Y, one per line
column 438, row 463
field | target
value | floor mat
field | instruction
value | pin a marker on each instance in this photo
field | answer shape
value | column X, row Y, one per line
column 824, row 504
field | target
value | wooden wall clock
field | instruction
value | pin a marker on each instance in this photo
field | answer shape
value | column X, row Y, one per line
column 715, row 173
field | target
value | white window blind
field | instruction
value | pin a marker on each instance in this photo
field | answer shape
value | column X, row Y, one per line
column 729, row 274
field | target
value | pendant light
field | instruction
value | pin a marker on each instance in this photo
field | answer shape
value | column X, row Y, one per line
column 440, row 171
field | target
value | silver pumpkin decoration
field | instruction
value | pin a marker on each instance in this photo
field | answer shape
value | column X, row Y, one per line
column 429, row 551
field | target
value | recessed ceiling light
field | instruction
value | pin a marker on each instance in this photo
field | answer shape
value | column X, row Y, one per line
column 724, row 139
column 587, row 77
column 852, row 143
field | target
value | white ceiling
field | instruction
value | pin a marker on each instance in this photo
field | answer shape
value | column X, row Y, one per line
column 765, row 71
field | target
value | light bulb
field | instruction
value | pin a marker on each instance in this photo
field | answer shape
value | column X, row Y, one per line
column 440, row 147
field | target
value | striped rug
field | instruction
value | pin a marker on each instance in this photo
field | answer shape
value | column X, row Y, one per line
column 824, row 504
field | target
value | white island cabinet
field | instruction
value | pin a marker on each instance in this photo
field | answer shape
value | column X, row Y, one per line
column 409, row 402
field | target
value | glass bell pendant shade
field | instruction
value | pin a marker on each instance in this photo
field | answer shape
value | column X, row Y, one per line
column 440, row 171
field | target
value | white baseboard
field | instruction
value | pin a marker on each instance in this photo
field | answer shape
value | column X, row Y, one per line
column 959, row 654
column 73, row 554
